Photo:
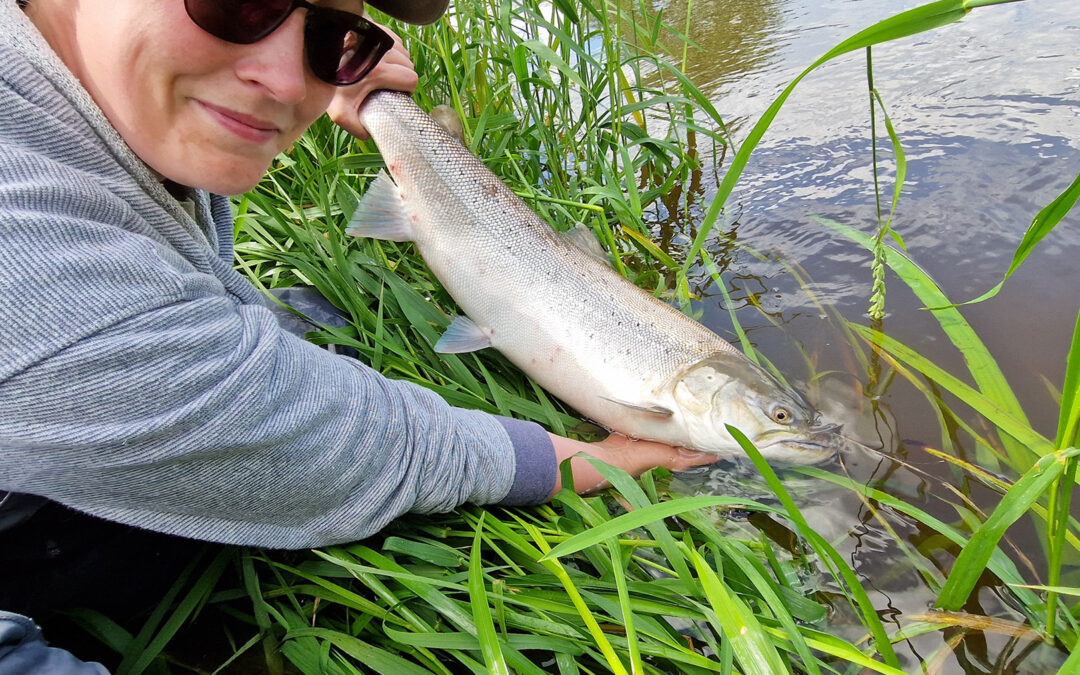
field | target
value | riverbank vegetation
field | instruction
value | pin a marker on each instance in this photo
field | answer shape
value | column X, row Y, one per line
column 585, row 111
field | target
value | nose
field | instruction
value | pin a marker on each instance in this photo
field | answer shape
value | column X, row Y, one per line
column 277, row 62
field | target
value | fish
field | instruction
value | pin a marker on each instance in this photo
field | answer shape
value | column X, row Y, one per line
column 619, row 356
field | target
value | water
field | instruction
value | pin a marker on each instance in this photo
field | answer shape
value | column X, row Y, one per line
column 988, row 112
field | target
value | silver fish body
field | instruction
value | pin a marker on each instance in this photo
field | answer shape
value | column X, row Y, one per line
column 609, row 349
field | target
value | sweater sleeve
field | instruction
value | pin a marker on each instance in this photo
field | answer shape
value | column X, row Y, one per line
column 135, row 387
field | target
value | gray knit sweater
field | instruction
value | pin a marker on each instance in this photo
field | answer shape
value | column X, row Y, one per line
column 144, row 381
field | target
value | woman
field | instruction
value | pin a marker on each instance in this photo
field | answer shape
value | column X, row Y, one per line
column 144, row 385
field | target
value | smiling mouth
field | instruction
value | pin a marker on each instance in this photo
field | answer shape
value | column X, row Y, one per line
column 244, row 126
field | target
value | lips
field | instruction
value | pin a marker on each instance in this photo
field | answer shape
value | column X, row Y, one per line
column 247, row 127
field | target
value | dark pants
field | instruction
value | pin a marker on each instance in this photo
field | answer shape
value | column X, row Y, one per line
column 23, row 651
column 59, row 558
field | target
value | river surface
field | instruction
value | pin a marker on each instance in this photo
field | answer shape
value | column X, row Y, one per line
column 988, row 113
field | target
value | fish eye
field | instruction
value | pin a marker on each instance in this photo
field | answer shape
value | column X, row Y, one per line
column 781, row 415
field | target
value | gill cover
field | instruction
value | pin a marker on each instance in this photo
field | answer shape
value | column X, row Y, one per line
column 700, row 385
column 730, row 389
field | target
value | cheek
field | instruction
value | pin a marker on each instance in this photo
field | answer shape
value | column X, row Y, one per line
column 738, row 413
column 318, row 100
column 159, row 73
column 312, row 108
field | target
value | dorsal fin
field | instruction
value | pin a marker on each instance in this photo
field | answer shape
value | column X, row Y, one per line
column 381, row 213
column 463, row 336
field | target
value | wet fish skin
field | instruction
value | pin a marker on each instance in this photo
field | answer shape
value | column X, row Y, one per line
column 608, row 348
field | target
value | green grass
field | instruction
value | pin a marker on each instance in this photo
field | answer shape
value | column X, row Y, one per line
column 586, row 116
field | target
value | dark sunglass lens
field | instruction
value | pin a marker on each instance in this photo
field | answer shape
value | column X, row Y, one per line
column 342, row 50
column 239, row 21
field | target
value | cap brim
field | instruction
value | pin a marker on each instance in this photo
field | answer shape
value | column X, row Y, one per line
column 419, row 12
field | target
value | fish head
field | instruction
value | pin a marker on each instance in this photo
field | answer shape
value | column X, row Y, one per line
column 730, row 389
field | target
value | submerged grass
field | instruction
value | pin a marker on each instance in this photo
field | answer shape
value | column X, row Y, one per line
column 579, row 108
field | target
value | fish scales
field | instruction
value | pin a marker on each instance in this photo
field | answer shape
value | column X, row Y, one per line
column 582, row 331
column 495, row 236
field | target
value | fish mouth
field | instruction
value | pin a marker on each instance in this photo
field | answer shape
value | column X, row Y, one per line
column 803, row 446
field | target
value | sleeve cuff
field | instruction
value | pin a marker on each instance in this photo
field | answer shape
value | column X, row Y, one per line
column 535, row 467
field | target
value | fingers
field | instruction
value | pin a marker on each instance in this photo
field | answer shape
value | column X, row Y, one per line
column 688, row 459
column 630, row 455
column 681, row 459
column 648, row 454
column 394, row 71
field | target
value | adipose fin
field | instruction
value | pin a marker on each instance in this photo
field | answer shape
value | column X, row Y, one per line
column 581, row 237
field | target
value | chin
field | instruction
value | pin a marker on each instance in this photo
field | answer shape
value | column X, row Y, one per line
column 221, row 183
column 216, row 170
column 230, row 188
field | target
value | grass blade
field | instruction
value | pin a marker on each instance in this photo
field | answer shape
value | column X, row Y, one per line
column 1068, row 433
column 379, row 660
column 911, row 22
column 138, row 661
column 973, row 558
column 981, row 364
column 485, row 626
column 1043, row 223
column 828, row 554
column 753, row 649
column 984, row 405
column 642, row 517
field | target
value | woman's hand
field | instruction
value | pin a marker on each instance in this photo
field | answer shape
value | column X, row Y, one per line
column 634, row 457
column 394, row 71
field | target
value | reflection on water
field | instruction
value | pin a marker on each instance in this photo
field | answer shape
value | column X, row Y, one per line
column 733, row 38
column 988, row 112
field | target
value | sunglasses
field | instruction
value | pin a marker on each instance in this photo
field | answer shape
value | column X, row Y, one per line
column 341, row 47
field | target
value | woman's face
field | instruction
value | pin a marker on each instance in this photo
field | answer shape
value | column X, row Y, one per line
column 199, row 111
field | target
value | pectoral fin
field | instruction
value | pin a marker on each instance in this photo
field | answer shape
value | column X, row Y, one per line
column 658, row 410
column 381, row 213
column 463, row 336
